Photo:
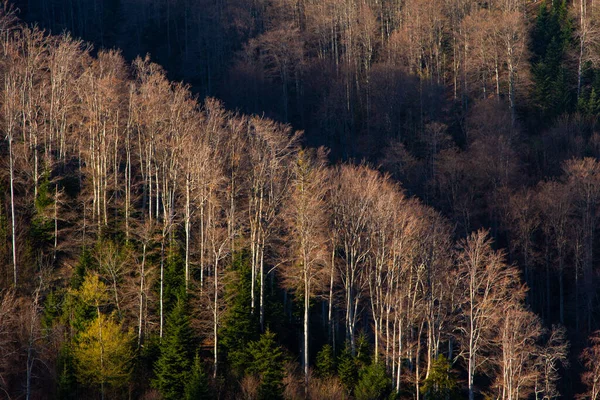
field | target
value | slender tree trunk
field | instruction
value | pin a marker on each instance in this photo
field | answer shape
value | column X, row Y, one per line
column 216, row 319
column 141, row 294
column 12, row 209
column 187, row 232
column 162, row 283
column 306, row 333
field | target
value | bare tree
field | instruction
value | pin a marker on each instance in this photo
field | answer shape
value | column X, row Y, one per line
column 488, row 283
column 591, row 375
column 305, row 211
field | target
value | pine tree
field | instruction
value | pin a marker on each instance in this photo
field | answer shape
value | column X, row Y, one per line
column 174, row 278
column 66, row 381
column 552, row 92
column 172, row 369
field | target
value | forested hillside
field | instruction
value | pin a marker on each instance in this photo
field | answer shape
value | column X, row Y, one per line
column 192, row 240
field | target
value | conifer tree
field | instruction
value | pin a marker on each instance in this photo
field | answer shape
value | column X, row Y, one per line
column 173, row 367
column 325, row 361
column 266, row 362
column 373, row 383
column 196, row 387
column 347, row 368
column 240, row 325
column 441, row 383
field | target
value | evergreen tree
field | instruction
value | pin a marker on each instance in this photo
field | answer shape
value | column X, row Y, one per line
column 373, row 383
column 174, row 278
column 240, row 326
column 552, row 92
column 66, row 381
column 196, row 387
column 266, row 362
column 326, row 361
column 441, row 383
column 363, row 350
column 347, row 368
column 86, row 262
column 172, row 369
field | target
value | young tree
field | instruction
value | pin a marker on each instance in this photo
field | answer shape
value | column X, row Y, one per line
column 173, row 366
column 266, row 362
column 103, row 354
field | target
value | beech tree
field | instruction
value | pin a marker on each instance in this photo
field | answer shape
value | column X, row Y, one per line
column 488, row 283
column 353, row 195
column 306, row 206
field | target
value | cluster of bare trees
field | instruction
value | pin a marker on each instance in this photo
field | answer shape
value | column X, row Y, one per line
column 104, row 152
column 327, row 62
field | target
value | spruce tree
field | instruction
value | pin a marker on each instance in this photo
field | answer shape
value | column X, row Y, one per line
column 240, row 326
column 373, row 383
column 172, row 369
column 326, row 361
column 441, row 383
column 347, row 368
column 266, row 362
column 196, row 387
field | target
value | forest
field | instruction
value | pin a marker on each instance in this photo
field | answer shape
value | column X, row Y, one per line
column 299, row 199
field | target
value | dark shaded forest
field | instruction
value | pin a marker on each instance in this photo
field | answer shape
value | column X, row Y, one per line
column 277, row 199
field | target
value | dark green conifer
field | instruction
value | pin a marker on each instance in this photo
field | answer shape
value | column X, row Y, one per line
column 172, row 369
column 325, row 361
column 373, row 383
column 266, row 362
column 347, row 368
column 441, row 383
column 197, row 384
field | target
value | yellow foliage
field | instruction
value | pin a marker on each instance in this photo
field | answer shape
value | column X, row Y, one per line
column 103, row 353
column 93, row 291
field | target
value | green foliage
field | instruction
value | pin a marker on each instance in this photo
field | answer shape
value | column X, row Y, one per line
column 86, row 262
column 552, row 92
column 266, row 361
column 373, row 383
column 52, row 309
column 82, row 304
column 347, row 368
column 44, row 197
column 196, row 387
column 66, row 381
column 240, row 326
column 363, row 350
column 441, row 383
column 325, row 361
column 172, row 369
column 589, row 100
